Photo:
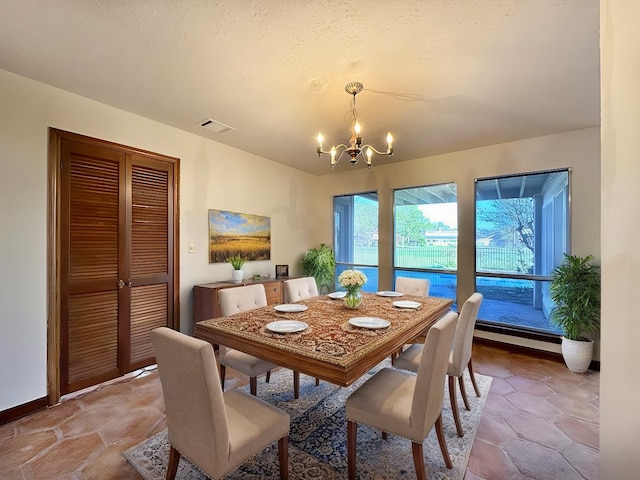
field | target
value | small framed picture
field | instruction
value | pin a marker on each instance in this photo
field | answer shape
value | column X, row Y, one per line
column 282, row 271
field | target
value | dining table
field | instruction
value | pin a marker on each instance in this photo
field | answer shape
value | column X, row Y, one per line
column 322, row 337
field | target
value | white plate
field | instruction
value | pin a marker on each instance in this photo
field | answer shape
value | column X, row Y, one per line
column 336, row 295
column 369, row 322
column 290, row 307
column 406, row 304
column 390, row 294
column 286, row 326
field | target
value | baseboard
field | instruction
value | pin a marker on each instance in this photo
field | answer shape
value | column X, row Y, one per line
column 534, row 352
column 23, row 410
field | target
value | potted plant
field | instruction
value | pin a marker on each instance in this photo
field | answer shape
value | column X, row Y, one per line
column 320, row 263
column 236, row 262
column 575, row 289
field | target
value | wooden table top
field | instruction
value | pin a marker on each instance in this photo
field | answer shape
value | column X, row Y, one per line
column 330, row 348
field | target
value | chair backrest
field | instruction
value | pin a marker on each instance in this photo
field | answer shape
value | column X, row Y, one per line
column 298, row 289
column 194, row 405
column 463, row 342
column 240, row 299
column 432, row 373
column 413, row 286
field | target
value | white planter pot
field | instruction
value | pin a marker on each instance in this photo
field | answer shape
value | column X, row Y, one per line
column 577, row 354
column 237, row 276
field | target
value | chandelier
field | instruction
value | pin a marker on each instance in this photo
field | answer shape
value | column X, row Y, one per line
column 355, row 147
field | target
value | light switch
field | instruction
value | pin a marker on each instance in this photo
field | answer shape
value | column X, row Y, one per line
column 191, row 248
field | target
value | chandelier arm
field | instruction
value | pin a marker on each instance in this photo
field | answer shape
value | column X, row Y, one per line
column 388, row 152
column 342, row 145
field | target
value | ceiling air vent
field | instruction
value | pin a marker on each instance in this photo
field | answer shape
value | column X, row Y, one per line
column 215, row 126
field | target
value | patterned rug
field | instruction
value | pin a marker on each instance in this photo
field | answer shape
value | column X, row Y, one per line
column 317, row 440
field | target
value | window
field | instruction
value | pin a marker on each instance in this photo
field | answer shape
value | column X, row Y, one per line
column 426, row 236
column 521, row 236
column 355, row 235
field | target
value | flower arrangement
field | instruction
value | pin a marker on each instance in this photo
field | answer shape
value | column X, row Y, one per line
column 236, row 262
column 352, row 280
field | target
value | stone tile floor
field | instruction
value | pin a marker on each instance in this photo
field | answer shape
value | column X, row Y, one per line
column 541, row 421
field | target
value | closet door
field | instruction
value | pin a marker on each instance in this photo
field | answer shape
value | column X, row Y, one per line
column 116, row 260
column 151, row 251
column 92, row 217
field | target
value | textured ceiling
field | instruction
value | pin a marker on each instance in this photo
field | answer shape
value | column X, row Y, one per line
column 441, row 75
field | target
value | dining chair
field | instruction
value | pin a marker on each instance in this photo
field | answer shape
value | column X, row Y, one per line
column 216, row 431
column 404, row 403
column 297, row 289
column 236, row 300
column 459, row 359
column 413, row 286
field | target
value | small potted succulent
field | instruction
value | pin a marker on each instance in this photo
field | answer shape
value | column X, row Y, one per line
column 236, row 261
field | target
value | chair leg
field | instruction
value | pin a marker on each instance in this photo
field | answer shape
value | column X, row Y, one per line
column 443, row 442
column 454, row 405
column 418, row 460
column 473, row 378
column 283, row 457
column 317, row 381
column 352, row 436
column 253, row 386
column 463, row 392
column 172, row 466
column 384, row 435
column 296, row 384
column 223, row 371
column 268, row 376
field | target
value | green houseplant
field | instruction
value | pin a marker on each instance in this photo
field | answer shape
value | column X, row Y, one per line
column 320, row 263
column 236, row 262
column 575, row 289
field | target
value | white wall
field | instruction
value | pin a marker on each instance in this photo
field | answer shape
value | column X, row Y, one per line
column 579, row 150
column 212, row 176
column 619, row 385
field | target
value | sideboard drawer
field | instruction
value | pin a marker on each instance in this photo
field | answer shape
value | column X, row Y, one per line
column 274, row 292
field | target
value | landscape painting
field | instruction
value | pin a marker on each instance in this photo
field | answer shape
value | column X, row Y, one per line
column 243, row 234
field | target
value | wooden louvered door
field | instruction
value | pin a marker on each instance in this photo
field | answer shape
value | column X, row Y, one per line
column 151, row 265
column 116, row 260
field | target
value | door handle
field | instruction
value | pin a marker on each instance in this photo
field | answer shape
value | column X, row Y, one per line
column 120, row 284
column 128, row 283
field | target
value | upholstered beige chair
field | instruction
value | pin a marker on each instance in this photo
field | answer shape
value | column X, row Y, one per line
column 413, row 286
column 240, row 299
column 298, row 289
column 217, row 431
column 403, row 403
column 295, row 290
column 460, row 357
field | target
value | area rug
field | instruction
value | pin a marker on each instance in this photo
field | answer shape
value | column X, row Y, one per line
column 317, row 439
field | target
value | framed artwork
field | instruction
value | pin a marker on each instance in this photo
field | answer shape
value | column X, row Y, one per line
column 282, row 271
column 243, row 234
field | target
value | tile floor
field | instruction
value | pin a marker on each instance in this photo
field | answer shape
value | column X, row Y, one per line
column 541, row 421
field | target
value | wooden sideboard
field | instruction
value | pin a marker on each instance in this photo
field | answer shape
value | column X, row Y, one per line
column 205, row 297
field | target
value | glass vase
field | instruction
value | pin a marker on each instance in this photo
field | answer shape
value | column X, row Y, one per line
column 353, row 298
